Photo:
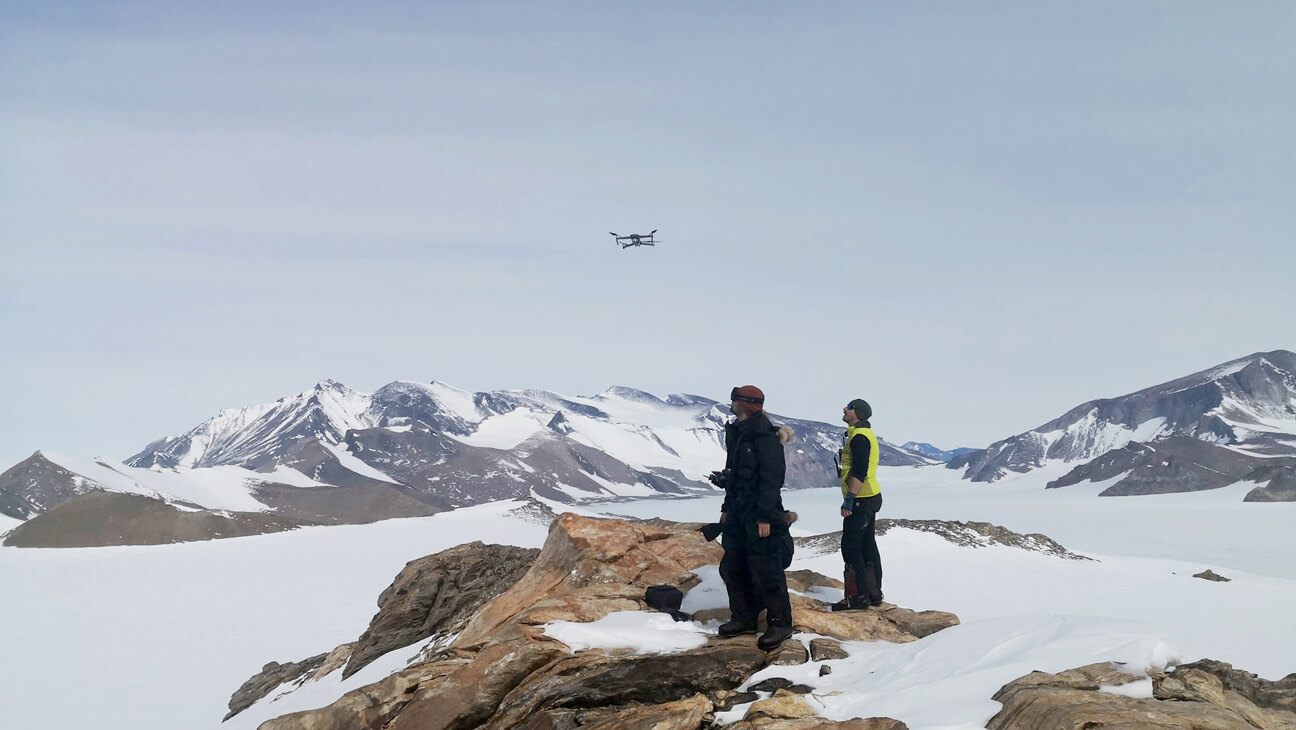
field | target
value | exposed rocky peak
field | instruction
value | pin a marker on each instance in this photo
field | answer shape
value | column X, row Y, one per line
column 403, row 403
column 500, row 670
column 37, row 484
column 252, row 435
column 560, row 424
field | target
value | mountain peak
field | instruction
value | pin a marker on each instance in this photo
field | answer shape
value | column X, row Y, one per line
column 630, row 394
column 1243, row 410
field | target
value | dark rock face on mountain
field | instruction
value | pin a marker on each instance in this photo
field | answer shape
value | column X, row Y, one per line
column 1203, row 431
column 36, row 484
column 499, row 670
column 1204, row 694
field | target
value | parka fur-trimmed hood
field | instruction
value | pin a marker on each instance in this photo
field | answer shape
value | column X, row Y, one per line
column 786, row 434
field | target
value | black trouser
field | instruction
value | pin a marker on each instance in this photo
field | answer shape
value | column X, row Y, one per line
column 752, row 569
column 859, row 547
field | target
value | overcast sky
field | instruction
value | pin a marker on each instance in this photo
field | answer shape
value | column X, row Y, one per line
column 974, row 215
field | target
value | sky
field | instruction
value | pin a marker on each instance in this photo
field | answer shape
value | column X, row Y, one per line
column 173, row 630
column 975, row 216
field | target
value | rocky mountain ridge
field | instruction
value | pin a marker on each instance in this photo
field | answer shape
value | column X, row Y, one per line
column 332, row 455
column 935, row 452
column 1234, row 422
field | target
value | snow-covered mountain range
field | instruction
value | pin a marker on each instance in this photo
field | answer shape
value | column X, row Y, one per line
column 335, row 455
column 935, row 452
column 1234, row 422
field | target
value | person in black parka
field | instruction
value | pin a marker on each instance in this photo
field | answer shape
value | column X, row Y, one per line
column 757, row 545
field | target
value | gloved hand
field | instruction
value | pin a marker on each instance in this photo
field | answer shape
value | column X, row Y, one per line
column 848, row 504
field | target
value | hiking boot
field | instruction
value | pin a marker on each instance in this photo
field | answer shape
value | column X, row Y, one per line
column 774, row 635
column 730, row 629
column 854, row 603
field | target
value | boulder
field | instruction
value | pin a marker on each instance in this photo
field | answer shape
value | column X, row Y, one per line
column 825, row 649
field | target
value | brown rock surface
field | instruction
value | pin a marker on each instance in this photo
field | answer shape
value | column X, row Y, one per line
column 502, row 672
column 603, row 554
column 592, row 679
column 825, row 649
column 438, row 594
column 886, row 623
column 685, row 714
column 271, row 675
column 782, row 705
column 1205, row 695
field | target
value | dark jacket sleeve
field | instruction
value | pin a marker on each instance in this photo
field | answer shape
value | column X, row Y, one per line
column 860, row 447
column 769, row 455
column 728, row 504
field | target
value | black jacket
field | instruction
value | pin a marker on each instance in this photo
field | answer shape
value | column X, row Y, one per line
column 755, row 460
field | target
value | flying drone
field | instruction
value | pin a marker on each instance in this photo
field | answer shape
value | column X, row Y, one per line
column 635, row 239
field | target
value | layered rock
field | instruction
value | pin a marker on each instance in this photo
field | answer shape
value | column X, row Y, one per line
column 437, row 595
column 499, row 670
column 1205, row 695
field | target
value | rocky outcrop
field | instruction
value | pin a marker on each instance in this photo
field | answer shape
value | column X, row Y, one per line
column 438, row 594
column 501, row 670
column 1211, row 575
column 963, row 534
column 271, row 676
column 1204, row 695
column 1280, row 475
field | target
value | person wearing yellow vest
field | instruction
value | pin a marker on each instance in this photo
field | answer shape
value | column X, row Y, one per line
column 861, row 501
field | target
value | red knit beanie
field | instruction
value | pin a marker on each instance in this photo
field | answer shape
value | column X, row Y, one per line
column 749, row 398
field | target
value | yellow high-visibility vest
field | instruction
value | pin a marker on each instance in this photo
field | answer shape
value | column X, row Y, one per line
column 871, row 486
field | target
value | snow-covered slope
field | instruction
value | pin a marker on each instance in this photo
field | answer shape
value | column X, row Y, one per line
column 1206, row 430
column 47, row 479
